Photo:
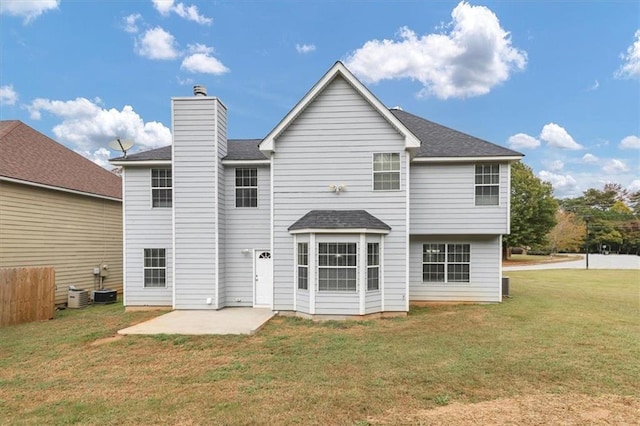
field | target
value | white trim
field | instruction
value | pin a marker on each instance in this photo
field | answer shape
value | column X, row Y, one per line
column 272, row 231
column 381, row 274
column 373, row 172
column 363, row 271
column 500, row 268
column 339, row 231
column 313, row 253
column 254, row 277
column 216, row 194
column 173, row 211
column 508, row 231
column 338, row 69
column 295, row 272
column 246, row 162
column 57, row 188
column 128, row 163
column 124, row 241
column 407, row 236
column 464, row 159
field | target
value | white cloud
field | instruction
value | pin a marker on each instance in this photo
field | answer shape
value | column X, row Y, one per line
column 522, row 140
column 630, row 67
column 8, row 96
column 556, row 165
column 594, row 86
column 28, row 9
column 190, row 13
column 201, row 61
column 557, row 137
column 634, row 185
column 630, row 142
column 157, row 43
column 130, row 23
column 590, row 159
column 87, row 126
column 100, row 156
column 614, row 166
column 560, row 183
column 305, row 48
column 469, row 60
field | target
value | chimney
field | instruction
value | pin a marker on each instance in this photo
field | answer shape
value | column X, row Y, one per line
column 199, row 90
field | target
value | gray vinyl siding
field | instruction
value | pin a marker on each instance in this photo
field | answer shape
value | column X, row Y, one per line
column 221, row 136
column 198, row 123
column 302, row 302
column 373, row 302
column 443, row 201
column 146, row 227
column 245, row 228
column 333, row 142
column 485, row 271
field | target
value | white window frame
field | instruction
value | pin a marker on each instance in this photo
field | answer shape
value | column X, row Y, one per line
column 152, row 268
column 450, row 258
column 486, row 179
column 243, row 187
column 320, row 267
column 155, row 188
column 373, row 266
column 374, row 171
column 302, row 264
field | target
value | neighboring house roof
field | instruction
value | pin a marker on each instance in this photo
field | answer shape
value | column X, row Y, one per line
column 440, row 141
column 339, row 219
column 28, row 156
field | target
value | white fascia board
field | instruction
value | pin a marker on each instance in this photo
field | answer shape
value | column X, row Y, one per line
column 58, row 188
column 463, row 159
column 141, row 163
column 268, row 143
column 339, row 231
column 243, row 162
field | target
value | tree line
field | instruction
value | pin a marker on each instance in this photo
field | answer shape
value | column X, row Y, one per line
column 600, row 220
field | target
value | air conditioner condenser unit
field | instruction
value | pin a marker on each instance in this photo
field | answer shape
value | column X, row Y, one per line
column 77, row 299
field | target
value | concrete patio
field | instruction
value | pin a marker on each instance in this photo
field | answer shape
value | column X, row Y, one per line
column 224, row 321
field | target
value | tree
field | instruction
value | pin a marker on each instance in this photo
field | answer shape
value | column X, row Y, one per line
column 533, row 208
column 568, row 234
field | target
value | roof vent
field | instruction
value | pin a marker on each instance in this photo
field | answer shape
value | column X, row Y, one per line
column 199, row 90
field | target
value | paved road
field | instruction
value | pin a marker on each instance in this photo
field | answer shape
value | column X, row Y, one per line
column 596, row 261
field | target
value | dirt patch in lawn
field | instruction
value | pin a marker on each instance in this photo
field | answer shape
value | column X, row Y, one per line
column 106, row 340
column 526, row 410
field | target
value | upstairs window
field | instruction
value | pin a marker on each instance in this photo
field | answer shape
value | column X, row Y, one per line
column 161, row 192
column 303, row 266
column 487, row 184
column 246, row 187
column 446, row 263
column 386, row 172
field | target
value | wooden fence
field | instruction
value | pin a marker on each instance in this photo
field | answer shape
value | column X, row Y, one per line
column 26, row 294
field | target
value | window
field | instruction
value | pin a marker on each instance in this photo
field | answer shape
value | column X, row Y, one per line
column 303, row 266
column 446, row 263
column 161, row 187
column 246, row 187
column 487, row 184
column 373, row 266
column 155, row 267
column 337, row 267
column 386, row 172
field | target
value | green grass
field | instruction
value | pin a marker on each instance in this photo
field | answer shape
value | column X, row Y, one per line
column 562, row 332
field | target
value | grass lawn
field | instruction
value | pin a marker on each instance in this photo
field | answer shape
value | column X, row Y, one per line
column 566, row 344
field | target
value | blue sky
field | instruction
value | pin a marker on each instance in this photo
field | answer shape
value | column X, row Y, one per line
column 557, row 81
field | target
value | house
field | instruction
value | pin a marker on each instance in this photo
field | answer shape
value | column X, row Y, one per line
column 346, row 208
column 58, row 209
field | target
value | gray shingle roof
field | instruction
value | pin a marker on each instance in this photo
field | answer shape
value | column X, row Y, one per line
column 440, row 141
column 339, row 219
column 237, row 149
column 437, row 141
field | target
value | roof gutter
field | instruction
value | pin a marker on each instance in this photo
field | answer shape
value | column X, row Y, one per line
column 510, row 158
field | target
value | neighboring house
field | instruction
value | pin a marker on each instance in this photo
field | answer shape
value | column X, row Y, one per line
column 58, row 209
column 345, row 208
